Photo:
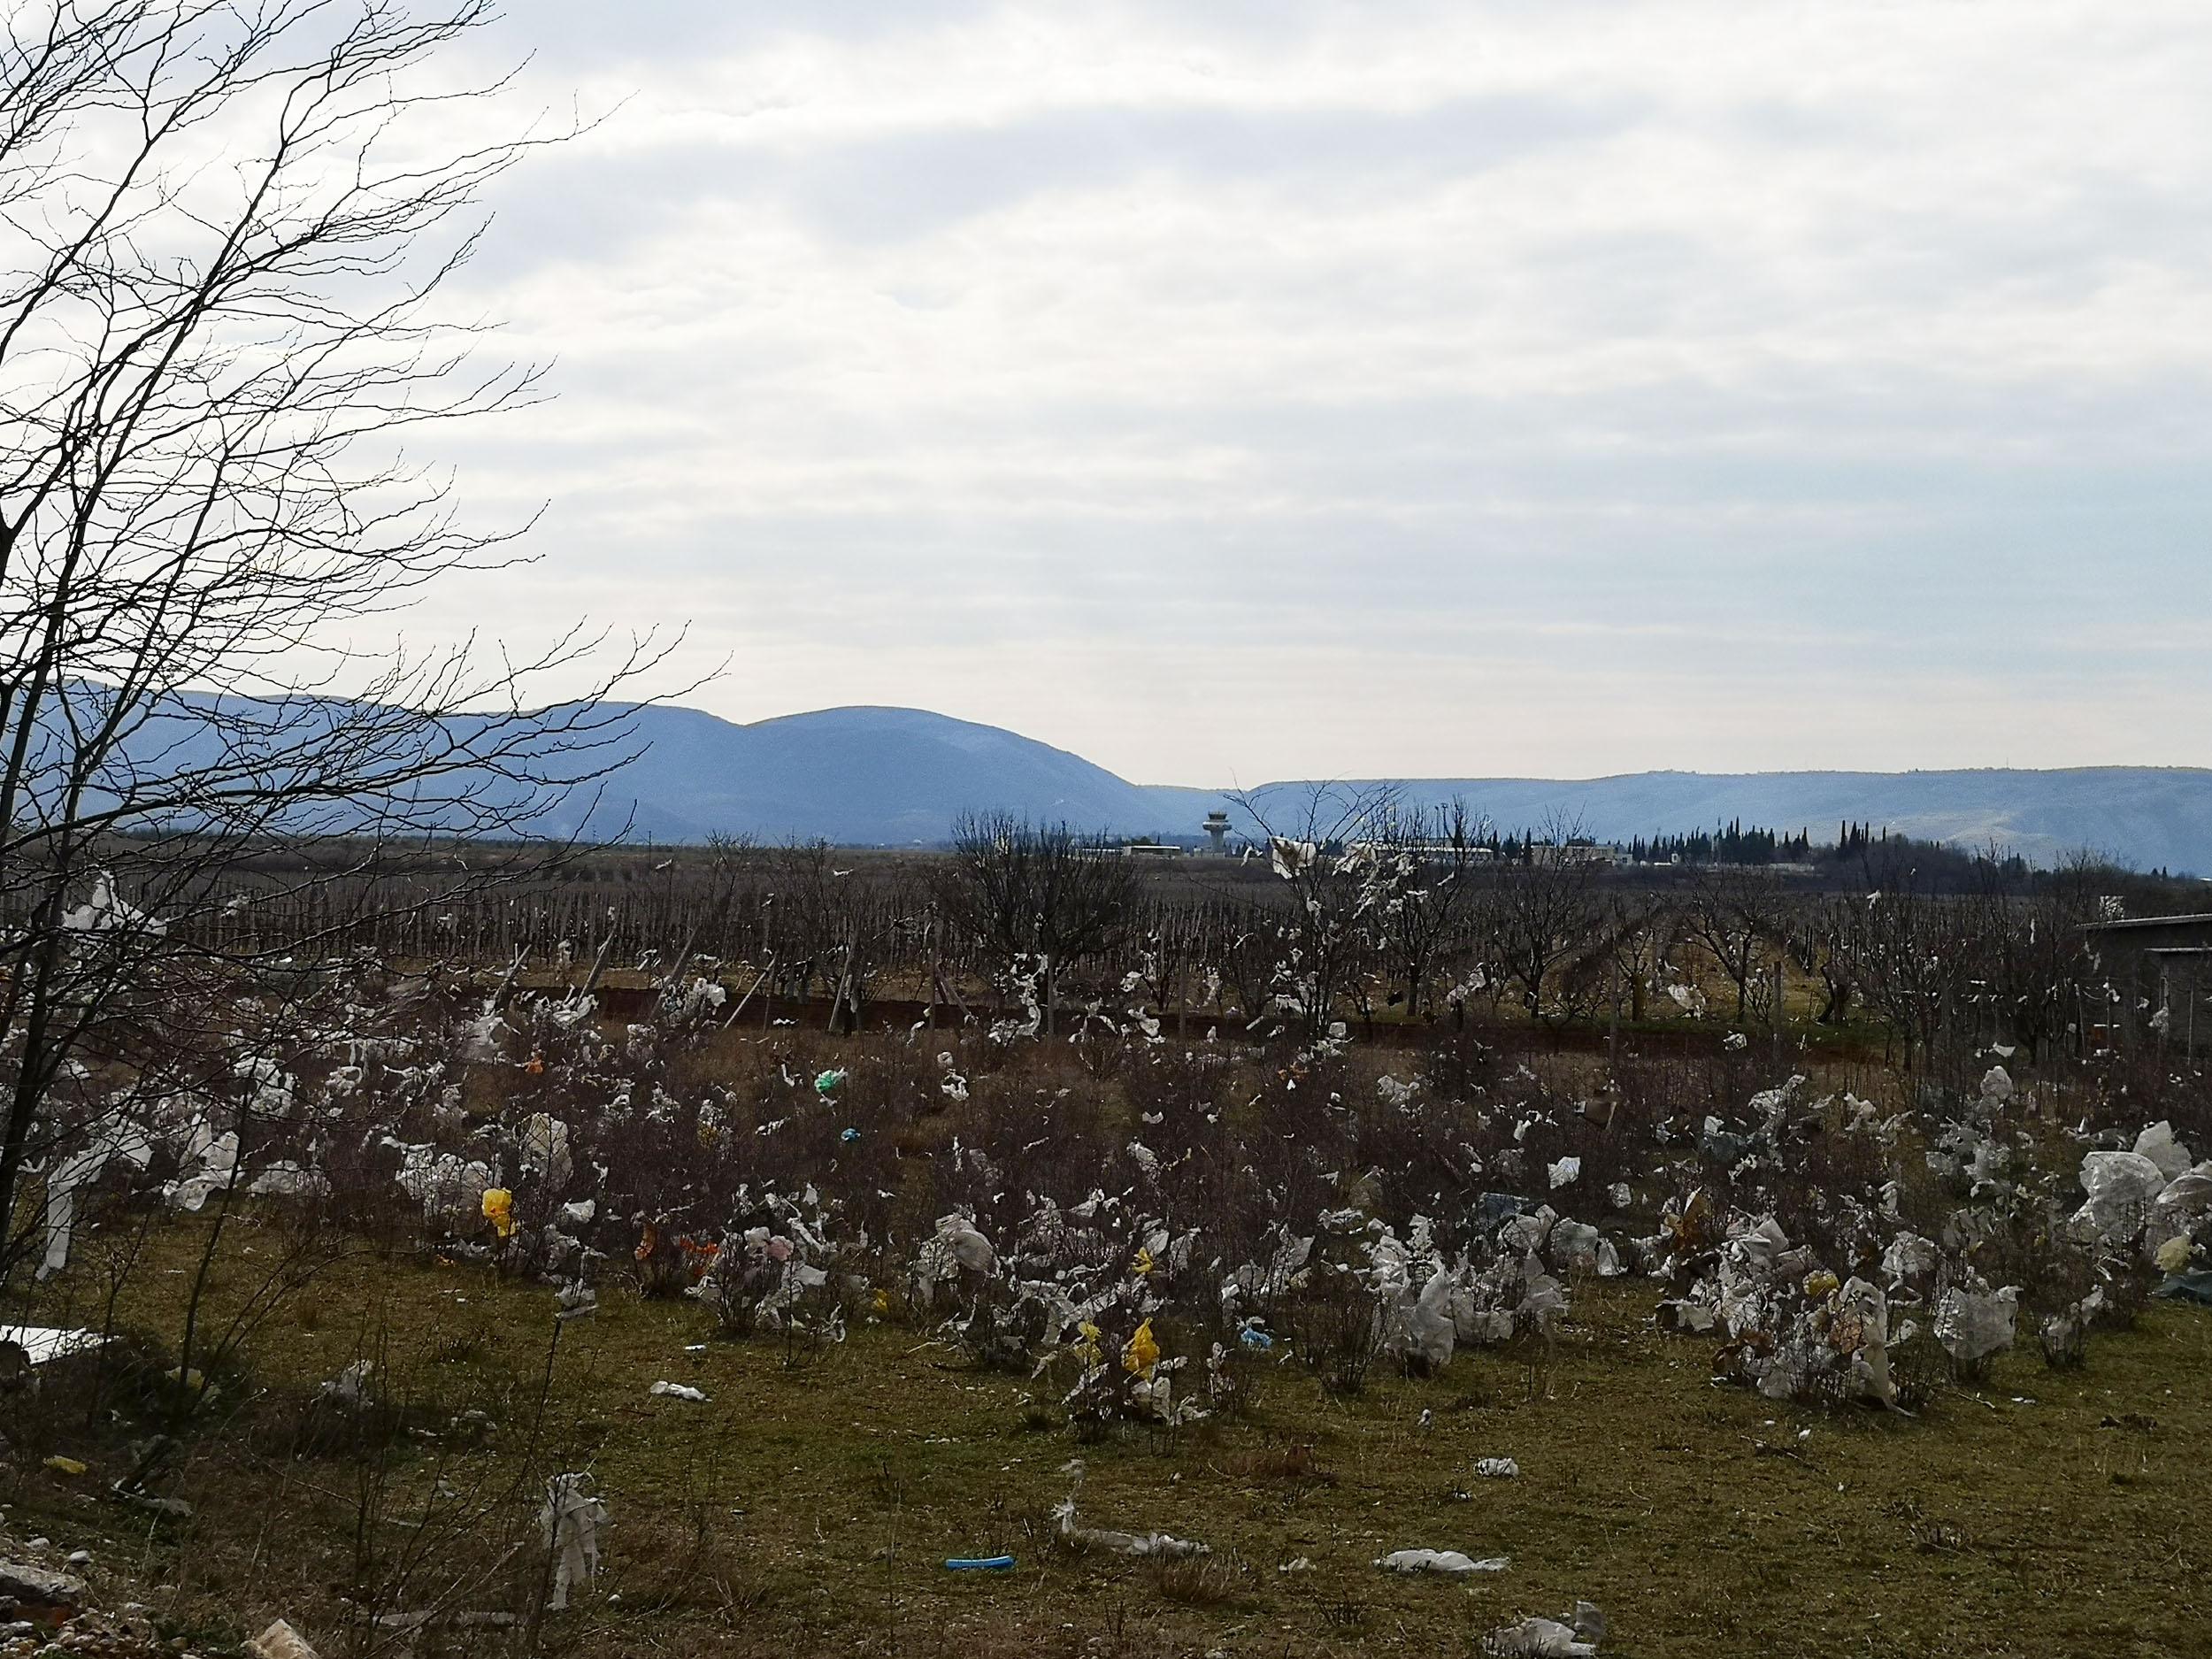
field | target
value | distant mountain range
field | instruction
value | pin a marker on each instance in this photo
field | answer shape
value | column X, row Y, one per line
column 900, row 777
column 892, row 777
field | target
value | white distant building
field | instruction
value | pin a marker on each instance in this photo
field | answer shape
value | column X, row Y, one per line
column 1576, row 853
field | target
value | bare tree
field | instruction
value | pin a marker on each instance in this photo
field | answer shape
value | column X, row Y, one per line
column 1425, row 863
column 1547, row 911
column 224, row 230
column 1909, row 962
column 1640, row 925
column 1732, row 913
column 1321, row 844
column 1037, row 894
column 1822, row 940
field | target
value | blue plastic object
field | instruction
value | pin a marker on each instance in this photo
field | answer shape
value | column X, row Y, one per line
column 981, row 1564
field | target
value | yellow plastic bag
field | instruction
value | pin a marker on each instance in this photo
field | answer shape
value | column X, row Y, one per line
column 499, row 1209
column 1142, row 1351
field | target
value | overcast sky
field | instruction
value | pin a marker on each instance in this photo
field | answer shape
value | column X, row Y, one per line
column 1232, row 391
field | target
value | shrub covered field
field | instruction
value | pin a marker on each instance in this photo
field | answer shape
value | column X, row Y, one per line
column 808, row 1505
column 1198, row 1334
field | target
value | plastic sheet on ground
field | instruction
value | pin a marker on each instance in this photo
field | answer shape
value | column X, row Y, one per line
column 1450, row 1562
column 43, row 1345
column 2195, row 1287
column 349, row 1388
column 1538, row 1639
column 280, row 1641
column 285, row 1179
column 1140, row 1546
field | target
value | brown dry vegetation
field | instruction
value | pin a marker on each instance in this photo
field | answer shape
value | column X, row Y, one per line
column 809, row 1506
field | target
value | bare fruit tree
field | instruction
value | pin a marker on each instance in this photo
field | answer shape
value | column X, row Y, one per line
column 1426, row 861
column 224, row 232
column 1733, row 913
column 1547, row 914
column 1321, row 844
column 1036, row 897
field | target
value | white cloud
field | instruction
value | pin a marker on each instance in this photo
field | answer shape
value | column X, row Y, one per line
column 1563, row 387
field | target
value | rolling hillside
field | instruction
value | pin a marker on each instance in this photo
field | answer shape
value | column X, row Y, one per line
column 900, row 777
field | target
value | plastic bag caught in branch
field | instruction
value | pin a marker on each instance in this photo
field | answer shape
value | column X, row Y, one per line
column 81, row 1169
column 570, row 1520
column 1970, row 1326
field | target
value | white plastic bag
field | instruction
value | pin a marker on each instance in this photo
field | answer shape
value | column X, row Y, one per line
column 1450, row 1562
column 2121, row 1187
column 1970, row 1326
column 2157, row 1143
column 570, row 1519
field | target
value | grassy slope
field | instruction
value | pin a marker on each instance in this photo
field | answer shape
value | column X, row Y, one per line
column 827, row 1493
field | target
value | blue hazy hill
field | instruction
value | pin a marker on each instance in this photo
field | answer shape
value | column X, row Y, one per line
column 892, row 777
column 872, row 776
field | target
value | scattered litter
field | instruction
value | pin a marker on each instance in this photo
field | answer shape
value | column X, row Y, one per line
column 62, row 1465
column 574, row 1301
column 1549, row 1638
column 2195, row 1287
column 1448, row 1562
column 280, row 1641
column 350, row 1388
column 1497, row 1469
column 979, row 1563
column 678, row 1391
column 1143, row 1546
column 828, row 1083
column 42, row 1345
